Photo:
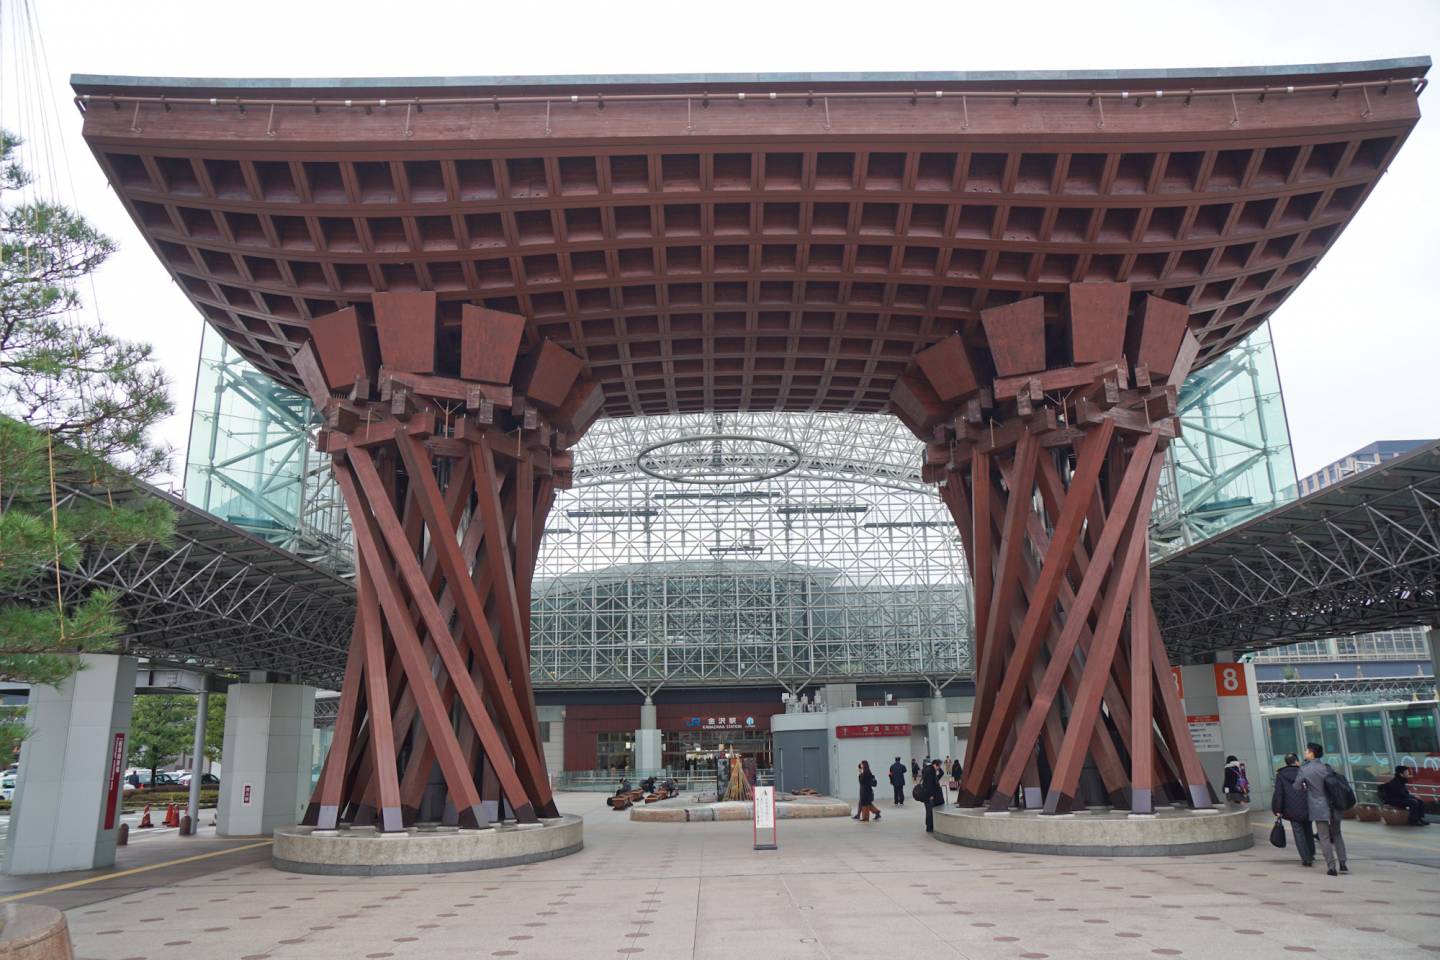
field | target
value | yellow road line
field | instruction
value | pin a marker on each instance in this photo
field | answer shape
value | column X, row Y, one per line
column 133, row 870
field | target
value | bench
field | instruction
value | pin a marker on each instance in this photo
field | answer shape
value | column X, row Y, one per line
column 1395, row 816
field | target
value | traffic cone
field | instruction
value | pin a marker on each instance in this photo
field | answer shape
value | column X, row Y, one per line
column 145, row 823
column 172, row 816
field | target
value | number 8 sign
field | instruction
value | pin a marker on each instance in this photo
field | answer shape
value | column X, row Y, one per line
column 1230, row 680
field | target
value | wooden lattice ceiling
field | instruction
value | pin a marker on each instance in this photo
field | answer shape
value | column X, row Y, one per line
column 700, row 251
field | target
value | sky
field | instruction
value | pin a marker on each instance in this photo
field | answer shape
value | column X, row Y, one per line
column 1358, row 343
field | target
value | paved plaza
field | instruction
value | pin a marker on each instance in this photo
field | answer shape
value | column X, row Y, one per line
column 834, row 889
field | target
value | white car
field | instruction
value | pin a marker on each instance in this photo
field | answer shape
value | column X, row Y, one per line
column 7, row 785
column 206, row 780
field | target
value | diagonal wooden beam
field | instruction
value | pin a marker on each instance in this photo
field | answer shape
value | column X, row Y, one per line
column 1142, row 723
column 377, row 586
column 1043, row 594
column 995, row 646
column 382, row 759
column 1102, row 749
column 324, row 808
column 1085, row 711
column 401, row 697
column 1171, row 719
column 536, row 790
column 502, row 566
column 407, row 641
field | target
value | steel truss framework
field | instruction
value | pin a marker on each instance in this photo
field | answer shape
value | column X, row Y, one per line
column 847, row 567
column 1360, row 556
column 215, row 597
column 1271, row 691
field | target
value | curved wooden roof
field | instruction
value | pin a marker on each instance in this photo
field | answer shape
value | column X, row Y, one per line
column 746, row 242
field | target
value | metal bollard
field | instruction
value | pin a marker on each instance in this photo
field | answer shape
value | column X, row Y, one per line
column 186, row 827
column 122, row 836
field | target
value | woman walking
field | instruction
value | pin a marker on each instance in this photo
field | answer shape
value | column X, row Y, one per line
column 867, row 793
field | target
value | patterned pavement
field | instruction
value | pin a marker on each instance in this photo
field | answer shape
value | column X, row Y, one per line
column 834, row 889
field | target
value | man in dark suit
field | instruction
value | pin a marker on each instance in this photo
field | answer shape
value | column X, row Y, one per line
column 932, row 791
column 1395, row 793
column 897, row 780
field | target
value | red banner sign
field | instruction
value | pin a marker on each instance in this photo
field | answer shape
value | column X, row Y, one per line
column 117, row 770
column 873, row 730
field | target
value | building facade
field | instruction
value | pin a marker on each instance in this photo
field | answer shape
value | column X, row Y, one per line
column 1370, row 455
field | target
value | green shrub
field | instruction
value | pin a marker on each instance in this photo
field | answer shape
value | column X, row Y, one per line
column 136, row 799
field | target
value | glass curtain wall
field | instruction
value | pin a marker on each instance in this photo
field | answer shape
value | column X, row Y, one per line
column 252, row 461
column 1366, row 742
column 1232, row 461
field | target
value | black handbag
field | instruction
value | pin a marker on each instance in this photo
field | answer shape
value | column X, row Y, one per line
column 1277, row 834
column 918, row 791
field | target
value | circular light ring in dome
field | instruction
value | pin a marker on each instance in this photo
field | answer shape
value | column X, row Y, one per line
column 763, row 471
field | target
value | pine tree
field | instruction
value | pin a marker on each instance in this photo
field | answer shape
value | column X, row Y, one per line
column 77, row 404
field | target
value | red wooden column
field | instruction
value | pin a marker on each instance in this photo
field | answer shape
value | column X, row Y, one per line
column 447, row 463
column 1048, row 449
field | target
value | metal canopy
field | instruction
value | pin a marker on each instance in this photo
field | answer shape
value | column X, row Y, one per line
column 1359, row 556
column 1276, row 691
column 218, row 598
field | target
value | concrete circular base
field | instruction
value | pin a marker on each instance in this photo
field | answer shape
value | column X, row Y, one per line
column 32, row 932
column 1104, row 833
column 363, row 852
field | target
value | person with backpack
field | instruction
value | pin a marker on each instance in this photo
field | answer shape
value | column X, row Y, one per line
column 1325, row 792
column 897, row 780
column 1289, row 802
column 1237, row 785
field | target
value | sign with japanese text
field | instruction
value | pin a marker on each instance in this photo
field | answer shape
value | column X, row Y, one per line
column 764, row 808
column 764, row 818
column 720, row 723
column 1205, row 732
column 873, row 730
column 1230, row 680
column 245, row 795
column 117, row 770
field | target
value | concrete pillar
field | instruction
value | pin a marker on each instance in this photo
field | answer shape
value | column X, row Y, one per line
column 197, row 759
column 266, row 757
column 937, row 730
column 647, row 750
column 68, row 791
column 838, row 696
column 1235, row 703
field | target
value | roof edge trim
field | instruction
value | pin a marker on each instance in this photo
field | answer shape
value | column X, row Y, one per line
column 1409, row 66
